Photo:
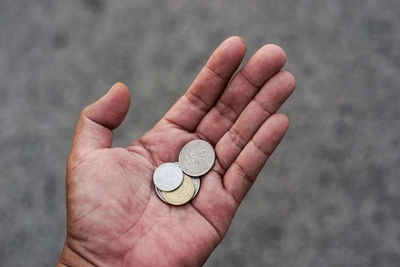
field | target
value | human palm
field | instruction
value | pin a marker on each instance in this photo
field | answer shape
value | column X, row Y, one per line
column 115, row 218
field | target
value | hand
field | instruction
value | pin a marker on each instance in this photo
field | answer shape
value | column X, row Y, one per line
column 115, row 218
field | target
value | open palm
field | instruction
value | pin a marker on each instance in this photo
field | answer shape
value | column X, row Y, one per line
column 114, row 216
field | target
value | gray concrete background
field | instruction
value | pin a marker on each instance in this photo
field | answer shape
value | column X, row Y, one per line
column 329, row 196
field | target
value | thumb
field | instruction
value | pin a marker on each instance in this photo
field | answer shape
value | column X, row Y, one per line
column 96, row 122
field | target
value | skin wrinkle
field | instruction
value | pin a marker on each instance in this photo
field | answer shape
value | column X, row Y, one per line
column 248, row 81
column 266, row 153
column 281, row 85
column 237, row 138
column 70, row 247
column 143, row 235
column 223, row 168
column 263, row 107
column 208, row 220
column 149, row 152
column 158, row 219
column 197, row 134
column 85, row 215
column 235, row 200
column 200, row 135
column 226, row 79
column 176, row 125
column 226, row 111
column 136, row 222
column 131, row 149
column 95, row 126
column 243, row 173
column 204, row 107
column 86, row 113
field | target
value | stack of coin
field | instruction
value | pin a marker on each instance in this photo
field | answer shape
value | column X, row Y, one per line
column 177, row 183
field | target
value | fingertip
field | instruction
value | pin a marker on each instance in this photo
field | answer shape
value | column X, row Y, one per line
column 272, row 131
column 237, row 37
column 234, row 46
column 282, row 120
column 110, row 109
column 274, row 53
column 118, row 86
column 278, row 124
column 239, row 42
column 120, row 89
column 227, row 57
column 119, row 94
column 289, row 80
column 266, row 61
column 279, row 53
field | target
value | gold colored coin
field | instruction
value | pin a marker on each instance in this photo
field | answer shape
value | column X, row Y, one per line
column 182, row 194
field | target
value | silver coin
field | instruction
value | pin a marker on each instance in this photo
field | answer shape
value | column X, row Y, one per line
column 168, row 176
column 196, row 182
column 159, row 194
column 196, row 158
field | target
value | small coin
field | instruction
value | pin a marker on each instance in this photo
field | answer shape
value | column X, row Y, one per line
column 196, row 158
column 196, row 182
column 182, row 194
column 168, row 176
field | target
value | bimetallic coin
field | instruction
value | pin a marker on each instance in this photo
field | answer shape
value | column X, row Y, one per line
column 196, row 158
column 182, row 194
column 168, row 176
column 159, row 194
column 196, row 182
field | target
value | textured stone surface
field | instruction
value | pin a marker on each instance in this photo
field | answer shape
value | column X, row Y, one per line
column 328, row 197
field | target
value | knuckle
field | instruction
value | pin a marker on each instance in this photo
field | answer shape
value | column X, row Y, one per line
column 237, row 138
column 196, row 101
column 227, row 111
